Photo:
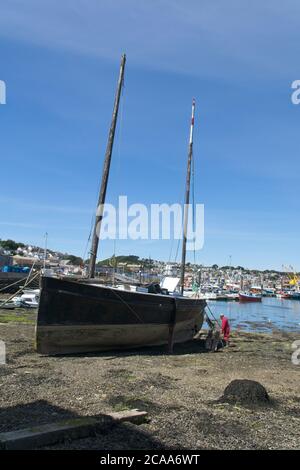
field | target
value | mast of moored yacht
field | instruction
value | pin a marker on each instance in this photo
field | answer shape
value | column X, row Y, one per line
column 187, row 199
column 105, row 173
column 45, row 250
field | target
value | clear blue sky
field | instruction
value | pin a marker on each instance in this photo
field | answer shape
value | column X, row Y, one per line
column 238, row 59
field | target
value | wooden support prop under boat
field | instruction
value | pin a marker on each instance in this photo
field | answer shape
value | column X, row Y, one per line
column 172, row 328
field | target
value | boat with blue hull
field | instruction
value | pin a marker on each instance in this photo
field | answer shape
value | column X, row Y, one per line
column 295, row 295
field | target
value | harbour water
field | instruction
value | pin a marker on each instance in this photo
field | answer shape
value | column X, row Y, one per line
column 271, row 314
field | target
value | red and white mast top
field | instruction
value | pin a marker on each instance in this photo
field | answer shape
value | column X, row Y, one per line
column 192, row 121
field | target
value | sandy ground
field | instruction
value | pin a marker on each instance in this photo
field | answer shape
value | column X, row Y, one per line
column 179, row 391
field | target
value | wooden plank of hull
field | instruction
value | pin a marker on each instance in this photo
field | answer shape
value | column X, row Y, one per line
column 75, row 317
column 66, row 339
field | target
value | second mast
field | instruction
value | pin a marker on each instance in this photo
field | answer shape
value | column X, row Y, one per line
column 187, row 199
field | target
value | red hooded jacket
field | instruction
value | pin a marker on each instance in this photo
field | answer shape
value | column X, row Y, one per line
column 225, row 328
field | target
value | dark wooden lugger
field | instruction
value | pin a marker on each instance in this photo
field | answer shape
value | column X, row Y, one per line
column 75, row 316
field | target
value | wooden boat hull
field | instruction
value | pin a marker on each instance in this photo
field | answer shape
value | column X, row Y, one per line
column 75, row 317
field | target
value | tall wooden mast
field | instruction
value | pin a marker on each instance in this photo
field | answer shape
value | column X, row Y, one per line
column 105, row 173
column 187, row 199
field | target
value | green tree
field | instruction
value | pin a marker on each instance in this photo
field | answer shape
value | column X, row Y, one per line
column 11, row 245
column 75, row 260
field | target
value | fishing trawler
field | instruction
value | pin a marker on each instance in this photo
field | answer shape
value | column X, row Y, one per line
column 249, row 297
column 81, row 315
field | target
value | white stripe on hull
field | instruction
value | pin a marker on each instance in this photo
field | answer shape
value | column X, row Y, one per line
column 64, row 339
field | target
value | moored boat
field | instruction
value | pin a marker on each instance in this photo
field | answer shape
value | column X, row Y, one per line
column 233, row 296
column 29, row 299
column 82, row 315
column 295, row 295
column 7, row 306
column 284, row 295
column 249, row 297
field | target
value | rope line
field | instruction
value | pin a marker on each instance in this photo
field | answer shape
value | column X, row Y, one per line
column 20, row 290
column 125, row 303
column 19, row 280
column 213, row 315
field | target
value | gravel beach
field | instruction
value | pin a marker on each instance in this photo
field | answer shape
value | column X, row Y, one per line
column 179, row 391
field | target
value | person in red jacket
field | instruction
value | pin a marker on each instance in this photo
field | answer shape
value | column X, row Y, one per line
column 225, row 328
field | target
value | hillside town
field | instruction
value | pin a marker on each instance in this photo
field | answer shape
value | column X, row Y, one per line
column 20, row 257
